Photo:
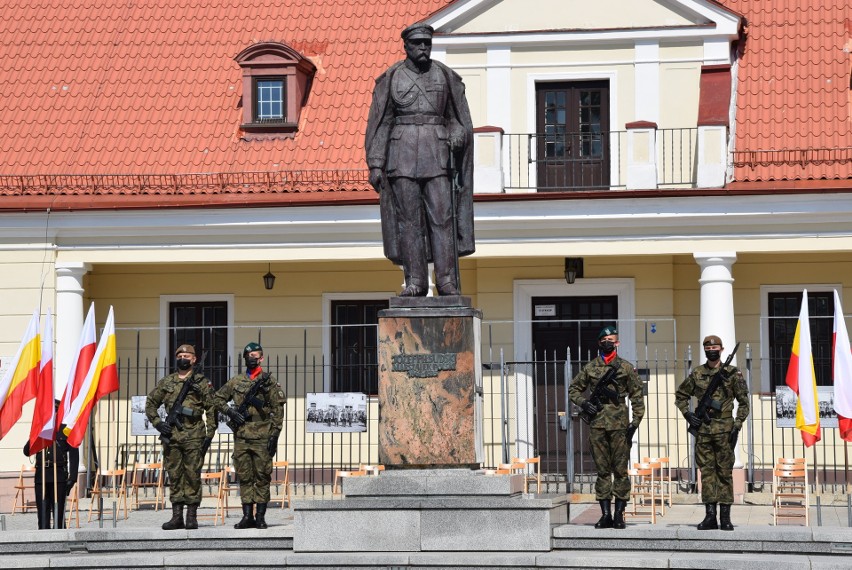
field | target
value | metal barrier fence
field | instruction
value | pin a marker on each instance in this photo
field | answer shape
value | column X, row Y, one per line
column 526, row 414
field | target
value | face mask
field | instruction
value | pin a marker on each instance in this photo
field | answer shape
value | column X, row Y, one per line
column 184, row 364
column 606, row 346
column 712, row 355
column 251, row 362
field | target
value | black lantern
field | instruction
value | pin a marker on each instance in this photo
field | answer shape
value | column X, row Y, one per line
column 573, row 269
column 269, row 279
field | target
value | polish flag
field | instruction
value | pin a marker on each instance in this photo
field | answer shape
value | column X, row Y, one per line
column 80, row 367
column 802, row 379
column 101, row 379
column 43, row 427
column 21, row 377
column 841, row 360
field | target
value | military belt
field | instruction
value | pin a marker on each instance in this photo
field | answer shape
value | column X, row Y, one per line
column 420, row 120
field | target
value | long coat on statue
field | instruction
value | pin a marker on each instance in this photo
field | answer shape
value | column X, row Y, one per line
column 380, row 123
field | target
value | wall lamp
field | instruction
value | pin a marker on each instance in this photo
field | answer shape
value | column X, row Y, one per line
column 269, row 279
column 573, row 269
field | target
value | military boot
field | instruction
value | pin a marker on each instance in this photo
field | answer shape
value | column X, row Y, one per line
column 191, row 517
column 709, row 522
column 260, row 516
column 618, row 519
column 248, row 517
column 606, row 515
column 176, row 521
column 725, row 517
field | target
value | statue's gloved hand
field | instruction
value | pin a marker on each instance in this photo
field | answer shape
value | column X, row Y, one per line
column 377, row 179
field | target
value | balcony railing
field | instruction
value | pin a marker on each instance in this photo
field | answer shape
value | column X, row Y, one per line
column 641, row 157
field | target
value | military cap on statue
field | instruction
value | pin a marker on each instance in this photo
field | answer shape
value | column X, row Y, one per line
column 607, row 330
column 711, row 339
column 417, row 31
column 187, row 348
column 252, row 347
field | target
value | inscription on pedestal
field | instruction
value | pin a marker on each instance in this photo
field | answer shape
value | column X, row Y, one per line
column 429, row 368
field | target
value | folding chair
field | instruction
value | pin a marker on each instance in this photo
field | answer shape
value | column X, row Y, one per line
column 280, row 480
column 214, row 482
column 148, row 477
column 109, row 483
column 72, row 508
column 371, row 469
column 664, row 478
column 790, row 490
column 535, row 476
column 337, row 486
column 230, row 483
column 21, row 504
column 642, row 493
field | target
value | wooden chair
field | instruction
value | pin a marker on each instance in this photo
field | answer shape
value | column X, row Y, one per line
column 214, row 482
column 21, row 503
column 643, row 492
column 337, row 486
column 790, row 490
column 72, row 508
column 663, row 477
column 371, row 469
column 281, row 481
column 109, row 484
column 531, row 477
column 148, row 477
column 230, row 484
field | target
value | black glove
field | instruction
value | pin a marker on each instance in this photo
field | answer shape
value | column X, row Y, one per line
column 732, row 439
column 694, row 421
column 589, row 408
column 631, row 429
column 206, row 445
column 164, row 428
column 272, row 445
column 235, row 417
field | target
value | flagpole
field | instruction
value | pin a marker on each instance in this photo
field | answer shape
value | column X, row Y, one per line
column 55, row 490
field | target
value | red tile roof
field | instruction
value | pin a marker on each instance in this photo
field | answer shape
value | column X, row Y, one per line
column 793, row 94
column 109, row 93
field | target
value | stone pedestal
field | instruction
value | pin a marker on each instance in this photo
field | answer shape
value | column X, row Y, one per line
column 430, row 510
column 430, row 377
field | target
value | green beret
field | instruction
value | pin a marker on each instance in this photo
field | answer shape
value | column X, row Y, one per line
column 607, row 330
column 252, row 347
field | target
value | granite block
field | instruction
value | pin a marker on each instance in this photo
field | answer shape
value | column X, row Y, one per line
column 433, row 482
column 748, row 561
column 391, row 530
column 602, row 559
column 26, row 561
column 517, row 530
column 434, row 560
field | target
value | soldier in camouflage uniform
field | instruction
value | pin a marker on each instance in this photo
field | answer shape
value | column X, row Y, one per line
column 717, row 439
column 611, row 430
column 255, row 433
column 184, row 454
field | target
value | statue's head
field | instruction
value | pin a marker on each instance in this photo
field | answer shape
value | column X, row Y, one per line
column 418, row 43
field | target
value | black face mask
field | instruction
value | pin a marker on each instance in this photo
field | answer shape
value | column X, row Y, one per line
column 606, row 346
column 712, row 355
column 251, row 362
column 184, row 364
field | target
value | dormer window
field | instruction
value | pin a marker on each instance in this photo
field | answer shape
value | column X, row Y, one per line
column 276, row 84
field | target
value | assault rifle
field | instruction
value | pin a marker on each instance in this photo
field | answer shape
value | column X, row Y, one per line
column 602, row 391
column 173, row 419
column 250, row 400
column 707, row 403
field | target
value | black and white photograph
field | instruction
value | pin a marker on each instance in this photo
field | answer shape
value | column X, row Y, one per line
column 344, row 412
column 139, row 423
column 785, row 407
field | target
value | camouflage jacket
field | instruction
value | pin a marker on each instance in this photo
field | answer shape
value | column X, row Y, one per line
column 261, row 423
column 732, row 387
column 612, row 415
column 199, row 400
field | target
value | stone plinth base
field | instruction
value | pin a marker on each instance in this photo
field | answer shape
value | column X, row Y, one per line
column 430, row 376
column 429, row 511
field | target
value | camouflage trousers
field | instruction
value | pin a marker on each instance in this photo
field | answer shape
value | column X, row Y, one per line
column 183, row 463
column 611, row 453
column 715, row 458
column 253, row 465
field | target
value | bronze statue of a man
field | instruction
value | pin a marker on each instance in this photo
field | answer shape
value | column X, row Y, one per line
column 419, row 117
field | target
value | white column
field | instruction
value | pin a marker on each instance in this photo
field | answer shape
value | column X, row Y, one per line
column 717, row 308
column 647, row 71
column 69, row 318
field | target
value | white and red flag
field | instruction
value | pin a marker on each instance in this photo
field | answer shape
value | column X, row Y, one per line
column 44, row 418
column 841, row 370
column 802, row 379
column 18, row 384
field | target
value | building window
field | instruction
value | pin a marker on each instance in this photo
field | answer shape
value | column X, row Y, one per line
column 205, row 326
column 276, row 83
column 354, row 345
column 783, row 315
column 270, row 100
